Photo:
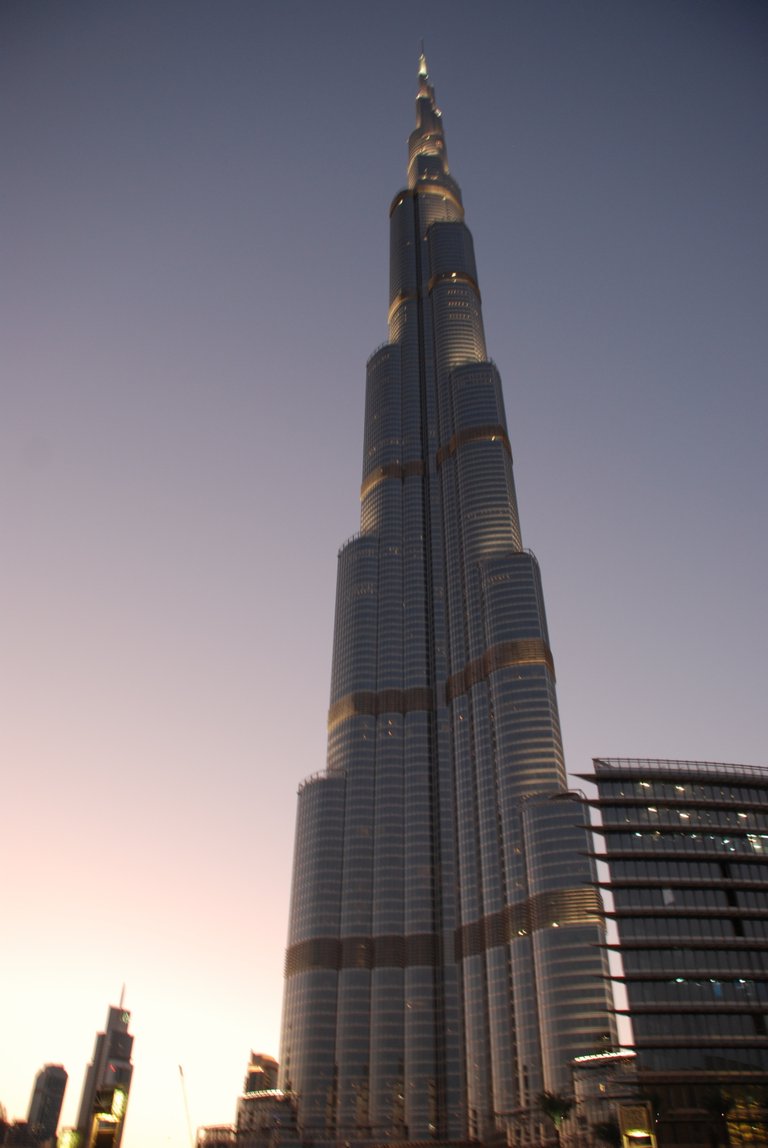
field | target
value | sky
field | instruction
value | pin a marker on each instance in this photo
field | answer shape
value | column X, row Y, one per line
column 194, row 246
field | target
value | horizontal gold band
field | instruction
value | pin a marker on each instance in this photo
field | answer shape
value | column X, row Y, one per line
column 487, row 433
column 371, row 703
column 426, row 189
column 516, row 652
column 403, row 297
column 399, row 470
column 386, row 952
column 577, row 906
column 453, row 277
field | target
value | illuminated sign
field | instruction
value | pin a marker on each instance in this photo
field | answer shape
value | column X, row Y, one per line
column 602, row 1056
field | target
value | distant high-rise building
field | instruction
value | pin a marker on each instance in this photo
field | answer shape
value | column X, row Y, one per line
column 266, row 1116
column 261, row 1073
column 46, row 1101
column 686, row 845
column 107, row 1084
column 444, row 960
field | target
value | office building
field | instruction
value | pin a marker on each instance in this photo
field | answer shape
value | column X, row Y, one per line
column 107, row 1084
column 266, row 1116
column 444, row 961
column 686, row 846
column 261, row 1074
column 46, row 1101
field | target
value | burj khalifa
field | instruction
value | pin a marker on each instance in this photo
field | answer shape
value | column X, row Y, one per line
column 444, row 960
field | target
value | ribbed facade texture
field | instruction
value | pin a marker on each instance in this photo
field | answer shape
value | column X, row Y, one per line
column 444, row 961
column 686, row 844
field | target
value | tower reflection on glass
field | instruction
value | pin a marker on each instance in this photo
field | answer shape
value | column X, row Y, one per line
column 443, row 965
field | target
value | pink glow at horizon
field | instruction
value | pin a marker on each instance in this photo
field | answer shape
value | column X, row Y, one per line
column 194, row 244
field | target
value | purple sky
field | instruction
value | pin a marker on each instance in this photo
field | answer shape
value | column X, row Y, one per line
column 194, row 244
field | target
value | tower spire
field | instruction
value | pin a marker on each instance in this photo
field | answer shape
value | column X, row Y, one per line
column 423, row 70
column 427, row 155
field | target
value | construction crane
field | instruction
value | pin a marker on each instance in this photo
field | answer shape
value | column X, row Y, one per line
column 186, row 1107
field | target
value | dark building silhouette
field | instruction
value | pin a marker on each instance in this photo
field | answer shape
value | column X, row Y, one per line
column 444, row 959
column 107, row 1084
column 46, row 1101
column 686, row 845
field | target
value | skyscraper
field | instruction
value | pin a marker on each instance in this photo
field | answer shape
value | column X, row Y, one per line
column 443, row 964
column 107, row 1083
column 261, row 1074
column 46, row 1101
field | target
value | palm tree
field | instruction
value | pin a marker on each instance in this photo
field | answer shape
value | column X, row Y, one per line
column 557, row 1107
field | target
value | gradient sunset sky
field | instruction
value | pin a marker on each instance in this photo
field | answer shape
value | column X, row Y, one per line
column 193, row 254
